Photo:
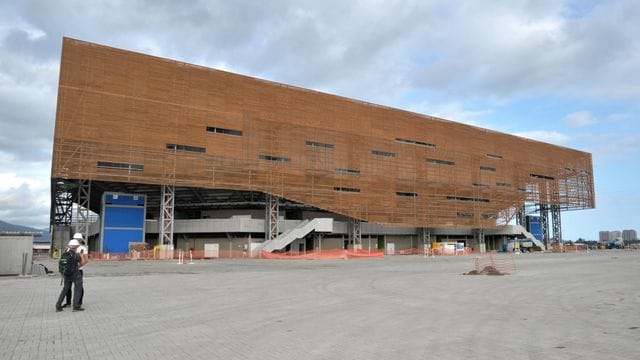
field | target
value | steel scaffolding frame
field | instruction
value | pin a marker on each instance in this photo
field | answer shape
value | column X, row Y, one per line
column 355, row 235
column 167, row 193
column 62, row 202
column 272, row 213
column 556, row 221
column 83, row 205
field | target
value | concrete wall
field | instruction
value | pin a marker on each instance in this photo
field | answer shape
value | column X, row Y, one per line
column 401, row 242
column 228, row 213
column 11, row 250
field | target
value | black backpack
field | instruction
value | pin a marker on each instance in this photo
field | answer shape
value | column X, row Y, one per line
column 68, row 263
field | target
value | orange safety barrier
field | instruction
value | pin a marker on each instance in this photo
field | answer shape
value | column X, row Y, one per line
column 434, row 251
column 494, row 264
column 575, row 248
column 324, row 255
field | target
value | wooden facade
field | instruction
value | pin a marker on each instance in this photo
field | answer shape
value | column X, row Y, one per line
column 129, row 117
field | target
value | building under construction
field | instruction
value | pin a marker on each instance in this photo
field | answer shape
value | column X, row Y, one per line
column 153, row 150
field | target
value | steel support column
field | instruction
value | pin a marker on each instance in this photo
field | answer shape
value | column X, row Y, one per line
column 167, row 194
column 544, row 224
column 479, row 237
column 272, row 209
column 425, row 236
column 520, row 216
column 355, row 236
column 556, row 223
column 84, row 197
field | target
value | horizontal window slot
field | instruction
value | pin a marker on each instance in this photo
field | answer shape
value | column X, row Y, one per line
column 464, row 214
column 218, row 130
column 538, row 176
column 120, row 166
column 522, row 190
column 406, row 194
column 490, row 216
column 383, row 153
column 441, row 162
column 186, row 148
column 467, row 199
column 494, row 156
column 346, row 189
column 501, row 184
column 348, row 172
column 275, row 158
column 415, row 142
column 487, row 169
column 319, row 145
column 481, row 186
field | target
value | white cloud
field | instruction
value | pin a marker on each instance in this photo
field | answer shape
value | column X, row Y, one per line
column 454, row 111
column 580, row 119
column 25, row 205
column 552, row 137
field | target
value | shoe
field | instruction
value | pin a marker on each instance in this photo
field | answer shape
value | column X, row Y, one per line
column 78, row 309
column 58, row 309
column 66, row 305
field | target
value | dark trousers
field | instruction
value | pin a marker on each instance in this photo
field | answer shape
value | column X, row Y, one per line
column 68, row 296
column 76, row 281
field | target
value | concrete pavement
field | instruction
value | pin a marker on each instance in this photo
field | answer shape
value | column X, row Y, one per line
column 556, row 306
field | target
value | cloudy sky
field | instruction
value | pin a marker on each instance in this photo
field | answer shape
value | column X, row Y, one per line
column 564, row 72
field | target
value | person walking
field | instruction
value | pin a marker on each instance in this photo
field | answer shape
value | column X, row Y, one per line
column 83, row 250
column 70, row 262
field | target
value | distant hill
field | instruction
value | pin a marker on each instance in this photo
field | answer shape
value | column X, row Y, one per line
column 45, row 238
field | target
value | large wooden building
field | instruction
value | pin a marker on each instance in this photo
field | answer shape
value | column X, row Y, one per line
column 195, row 139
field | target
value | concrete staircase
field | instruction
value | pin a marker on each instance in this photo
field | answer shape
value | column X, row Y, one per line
column 298, row 232
column 529, row 236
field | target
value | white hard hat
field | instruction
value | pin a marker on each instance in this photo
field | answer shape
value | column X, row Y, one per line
column 78, row 236
column 74, row 242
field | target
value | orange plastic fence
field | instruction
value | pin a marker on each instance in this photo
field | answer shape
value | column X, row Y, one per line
column 188, row 255
column 242, row 254
column 490, row 263
column 575, row 248
column 435, row 252
column 324, row 255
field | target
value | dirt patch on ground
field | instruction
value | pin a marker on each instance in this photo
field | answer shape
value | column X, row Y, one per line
column 487, row 270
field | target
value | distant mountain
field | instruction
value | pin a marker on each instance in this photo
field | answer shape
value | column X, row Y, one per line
column 45, row 238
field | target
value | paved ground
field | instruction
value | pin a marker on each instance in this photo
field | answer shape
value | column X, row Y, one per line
column 556, row 306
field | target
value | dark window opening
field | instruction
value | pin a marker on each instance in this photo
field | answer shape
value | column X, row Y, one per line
column 346, row 189
column 462, row 198
column 320, row 145
column 441, row 162
column 275, row 158
column 406, row 194
column 464, row 214
column 480, row 186
column 348, row 172
column 415, row 142
column 538, row 176
column 186, row 148
column 501, row 184
column 383, row 153
column 494, row 156
column 487, row 168
column 120, row 166
column 218, row 130
column 490, row 216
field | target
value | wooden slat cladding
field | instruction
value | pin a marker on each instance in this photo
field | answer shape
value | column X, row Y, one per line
column 122, row 107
